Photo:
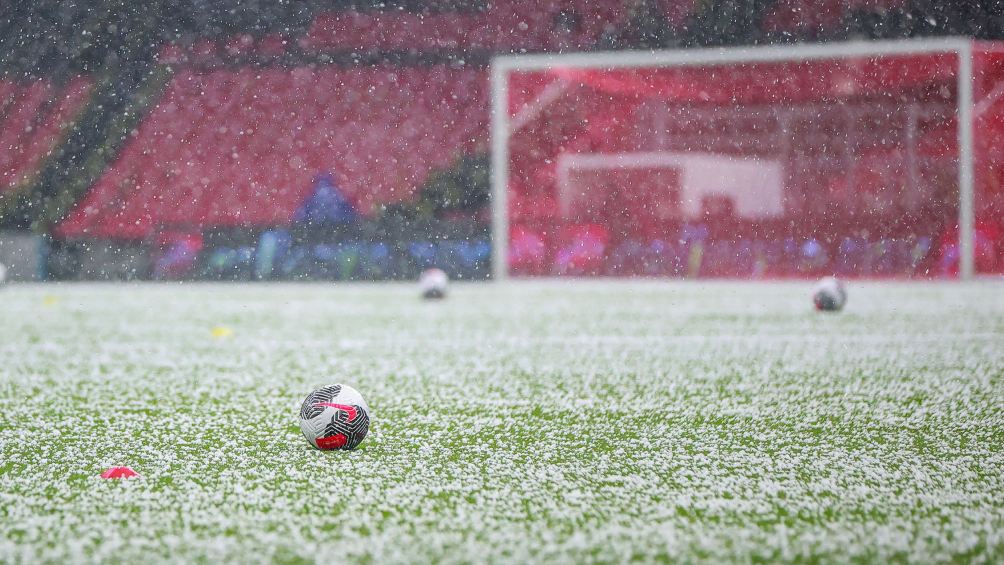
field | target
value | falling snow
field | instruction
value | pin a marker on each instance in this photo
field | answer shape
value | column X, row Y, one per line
column 589, row 421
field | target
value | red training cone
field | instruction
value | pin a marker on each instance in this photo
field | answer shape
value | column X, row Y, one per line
column 119, row 473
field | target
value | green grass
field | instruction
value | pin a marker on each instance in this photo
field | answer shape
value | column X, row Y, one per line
column 570, row 422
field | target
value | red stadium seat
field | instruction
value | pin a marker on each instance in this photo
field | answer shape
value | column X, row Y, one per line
column 504, row 25
column 34, row 117
column 227, row 148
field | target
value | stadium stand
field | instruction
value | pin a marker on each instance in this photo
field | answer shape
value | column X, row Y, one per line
column 240, row 147
column 32, row 118
column 220, row 116
column 503, row 26
column 825, row 18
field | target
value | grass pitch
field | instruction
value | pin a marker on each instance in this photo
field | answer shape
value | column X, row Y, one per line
column 547, row 421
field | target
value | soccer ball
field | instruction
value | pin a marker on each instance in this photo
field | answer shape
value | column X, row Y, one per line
column 334, row 417
column 829, row 295
column 432, row 282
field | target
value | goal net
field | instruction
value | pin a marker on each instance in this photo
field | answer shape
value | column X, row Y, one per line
column 875, row 159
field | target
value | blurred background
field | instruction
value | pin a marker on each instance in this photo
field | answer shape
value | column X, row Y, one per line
column 287, row 140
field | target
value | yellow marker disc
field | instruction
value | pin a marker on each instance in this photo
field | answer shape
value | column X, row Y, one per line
column 222, row 331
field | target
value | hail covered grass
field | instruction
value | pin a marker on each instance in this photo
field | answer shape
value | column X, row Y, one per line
column 570, row 422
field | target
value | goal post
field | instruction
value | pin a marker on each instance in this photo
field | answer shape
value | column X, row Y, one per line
column 886, row 130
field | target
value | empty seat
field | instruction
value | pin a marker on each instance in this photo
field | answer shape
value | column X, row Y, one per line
column 241, row 147
column 33, row 116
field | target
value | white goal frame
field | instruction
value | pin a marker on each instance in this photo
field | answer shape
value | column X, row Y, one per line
column 502, row 125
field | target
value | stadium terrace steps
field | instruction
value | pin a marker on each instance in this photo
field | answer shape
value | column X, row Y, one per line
column 241, row 147
column 32, row 116
column 798, row 17
column 506, row 25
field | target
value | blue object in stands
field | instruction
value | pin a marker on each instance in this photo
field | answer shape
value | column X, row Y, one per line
column 231, row 261
column 376, row 261
column 272, row 247
column 293, row 263
column 326, row 204
column 464, row 254
column 423, row 252
column 691, row 233
column 851, row 256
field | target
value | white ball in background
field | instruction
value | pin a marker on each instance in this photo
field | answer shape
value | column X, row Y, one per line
column 829, row 295
column 433, row 283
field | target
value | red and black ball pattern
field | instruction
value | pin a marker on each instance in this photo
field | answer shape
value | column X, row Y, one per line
column 310, row 408
column 348, row 425
column 346, row 430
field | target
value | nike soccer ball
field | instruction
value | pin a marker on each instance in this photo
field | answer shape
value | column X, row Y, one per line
column 334, row 417
column 432, row 283
column 829, row 295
